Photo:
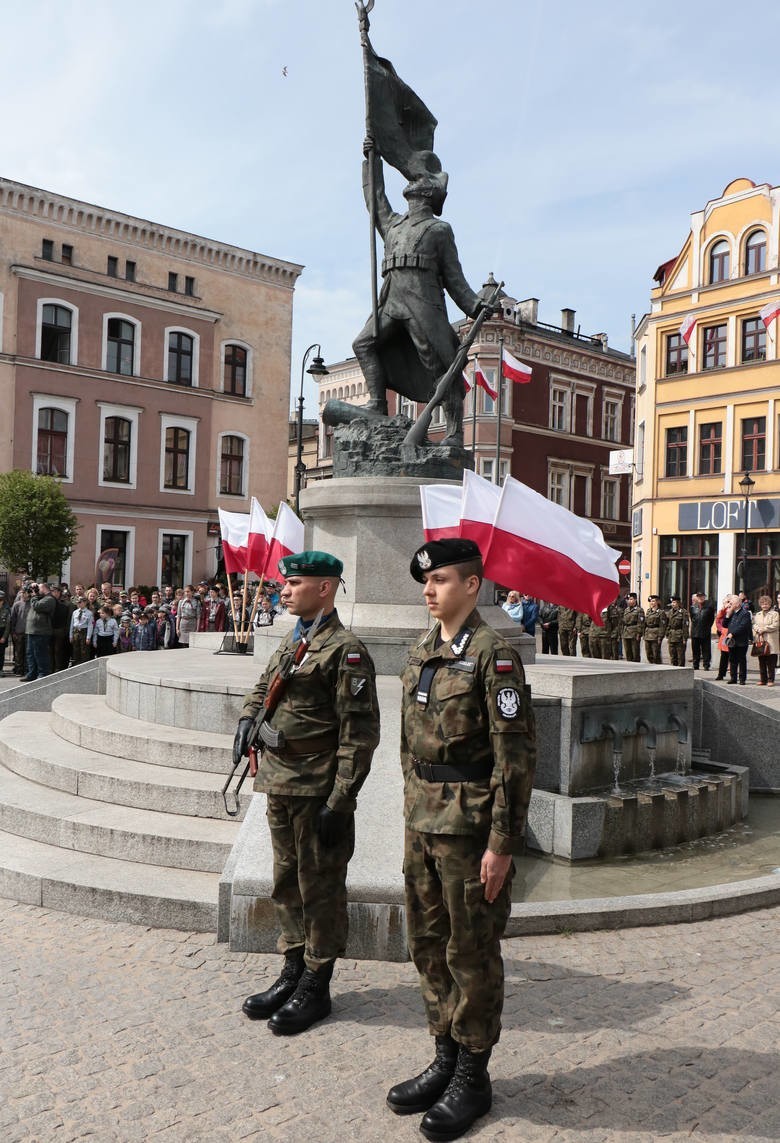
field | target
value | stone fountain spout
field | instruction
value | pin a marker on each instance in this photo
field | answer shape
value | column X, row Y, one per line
column 609, row 730
column 681, row 726
column 651, row 740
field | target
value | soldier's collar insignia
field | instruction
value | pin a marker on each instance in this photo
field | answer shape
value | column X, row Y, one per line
column 458, row 645
column 424, row 561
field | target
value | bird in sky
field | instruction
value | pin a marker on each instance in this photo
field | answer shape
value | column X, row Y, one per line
column 284, row 71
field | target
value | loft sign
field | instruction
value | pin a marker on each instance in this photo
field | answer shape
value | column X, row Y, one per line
column 727, row 515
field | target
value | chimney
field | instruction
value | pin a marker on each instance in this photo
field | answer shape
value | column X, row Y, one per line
column 567, row 320
column 528, row 311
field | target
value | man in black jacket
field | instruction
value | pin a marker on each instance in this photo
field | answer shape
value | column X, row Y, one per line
column 702, row 618
column 38, row 631
column 739, row 623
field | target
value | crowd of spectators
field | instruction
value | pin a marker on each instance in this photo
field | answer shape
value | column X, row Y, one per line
column 48, row 627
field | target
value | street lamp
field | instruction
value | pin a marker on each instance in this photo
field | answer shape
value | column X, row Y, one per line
column 746, row 484
column 316, row 369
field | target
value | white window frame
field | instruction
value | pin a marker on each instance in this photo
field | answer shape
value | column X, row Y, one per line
column 169, row 329
column 407, row 408
column 233, row 496
column 171, row 421
column 610, row 482
column 565, row 405
column 639, row 453
column 438, row 420
column 188, row 558
column 564, row 476
column 582, row 389
column 132, row 414
column 65, row 405
column 136, row 345
column 74, row 328
column 611, row 398
column 487, row 467
column 111, row 526
column 249, row 364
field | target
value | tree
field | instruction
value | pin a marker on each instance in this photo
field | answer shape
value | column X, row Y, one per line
column 37, row 528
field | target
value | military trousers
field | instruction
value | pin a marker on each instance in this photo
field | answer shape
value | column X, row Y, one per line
column 568, row 640
column 455, row 936
column 631, row 648
column 677, row 652
column 653, row 650
column 310, row 880
column 585, row 645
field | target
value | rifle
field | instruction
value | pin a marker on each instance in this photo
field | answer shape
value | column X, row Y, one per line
column 418, row 432
column 261, row 733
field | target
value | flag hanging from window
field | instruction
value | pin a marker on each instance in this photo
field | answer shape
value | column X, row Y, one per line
column 687, row 327
column 769, row 312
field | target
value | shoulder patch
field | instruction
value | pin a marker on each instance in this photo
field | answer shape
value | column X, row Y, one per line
column 508, row 702
column 504, row 666
column 354, row 658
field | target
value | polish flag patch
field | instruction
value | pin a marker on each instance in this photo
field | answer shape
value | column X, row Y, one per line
column 353, row 658
column 504, row 665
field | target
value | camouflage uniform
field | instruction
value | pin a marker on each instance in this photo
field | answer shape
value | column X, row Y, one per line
column 478, row 719
column 567, row 631
column 655, row 630
column 678, row 624
column 615, row 619
column 584, row 625
column 601, row 637
column 329, row 716
column 632, row 625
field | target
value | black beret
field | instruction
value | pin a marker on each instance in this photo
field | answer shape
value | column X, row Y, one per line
column 441, row 554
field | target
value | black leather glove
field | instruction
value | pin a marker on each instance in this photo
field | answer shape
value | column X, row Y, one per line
column 331, row 826
column 239, row 742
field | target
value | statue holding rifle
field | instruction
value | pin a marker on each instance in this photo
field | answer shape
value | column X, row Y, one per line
column 408, row 344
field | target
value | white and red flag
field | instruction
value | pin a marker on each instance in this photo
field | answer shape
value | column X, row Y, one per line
column 515, row 370
column 260, row 529
column 481, row 380
column 550, row 552
column 286, row 538
column 440, row 510
column 769, row 312
column 478, row 509
column 234, row 530
column 687, row 327
column 466, row 381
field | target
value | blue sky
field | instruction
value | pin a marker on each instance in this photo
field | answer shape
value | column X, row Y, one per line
column 578, row 138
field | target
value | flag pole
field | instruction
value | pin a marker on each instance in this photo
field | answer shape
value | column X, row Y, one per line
column 474, row 388
column 232, row 604
column 243, row 604
column 500, row 387
column 255, row 601
column 363, row 10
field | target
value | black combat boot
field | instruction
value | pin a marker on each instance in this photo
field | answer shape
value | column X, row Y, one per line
column 264, row 1004
column 467, row 1097
column 309, row 1003
column 420, row 1093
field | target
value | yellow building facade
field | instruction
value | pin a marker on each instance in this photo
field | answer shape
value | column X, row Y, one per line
column 708, row 407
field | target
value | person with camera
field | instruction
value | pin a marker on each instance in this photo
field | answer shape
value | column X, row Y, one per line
column 738, row 622
column 38, row 631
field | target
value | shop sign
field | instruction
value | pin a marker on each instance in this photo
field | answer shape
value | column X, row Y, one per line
column 727, row 515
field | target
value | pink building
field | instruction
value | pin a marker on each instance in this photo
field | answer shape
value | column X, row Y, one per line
column 148, row 369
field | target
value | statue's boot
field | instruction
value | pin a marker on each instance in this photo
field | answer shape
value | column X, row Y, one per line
column 421, row 1092
column 309, row 1003
column 468, row 1096
column 264, row 1004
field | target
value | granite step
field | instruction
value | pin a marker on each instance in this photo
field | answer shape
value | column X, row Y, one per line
column 88, row 721
column 91, row 886
column 70, row 822
column 30, row 747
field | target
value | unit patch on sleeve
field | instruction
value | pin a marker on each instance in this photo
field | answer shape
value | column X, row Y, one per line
column 508, row 702
column 504, row 666
column 353, row 658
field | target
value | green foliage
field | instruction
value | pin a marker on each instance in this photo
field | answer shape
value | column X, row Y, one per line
column 37, row 528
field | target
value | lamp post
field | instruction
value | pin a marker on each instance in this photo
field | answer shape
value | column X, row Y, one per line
column 316, row 369
column 746, row 484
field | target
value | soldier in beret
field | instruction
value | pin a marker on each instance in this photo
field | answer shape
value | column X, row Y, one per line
column 468, row 754
column 328, row 721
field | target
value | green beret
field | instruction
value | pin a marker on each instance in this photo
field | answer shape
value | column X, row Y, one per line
column 441, row 554
column 311, row 563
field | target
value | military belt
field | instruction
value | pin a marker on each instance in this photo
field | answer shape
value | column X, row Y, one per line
column 408, row 262
column 433, row 772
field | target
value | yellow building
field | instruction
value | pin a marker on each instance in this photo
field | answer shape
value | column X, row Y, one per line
column 707, row 407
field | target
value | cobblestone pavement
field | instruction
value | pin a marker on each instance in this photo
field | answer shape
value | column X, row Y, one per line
column 112, row 1032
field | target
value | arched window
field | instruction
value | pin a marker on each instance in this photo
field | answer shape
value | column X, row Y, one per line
column 231, row 478
column 177, row 457
column 52, row 442
column 755, row 252
column 116, row 450
column 234, row 375
column 56, row 324
column 120, row 346
column 719, row 261
column 180, row 353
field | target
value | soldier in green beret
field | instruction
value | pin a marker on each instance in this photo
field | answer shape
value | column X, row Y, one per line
column 468, row 753
column 328, row 728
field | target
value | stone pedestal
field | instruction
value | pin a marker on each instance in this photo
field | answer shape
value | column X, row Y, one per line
column 374, row 524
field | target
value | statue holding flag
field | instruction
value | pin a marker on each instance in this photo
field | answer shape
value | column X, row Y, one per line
column 408, row 344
